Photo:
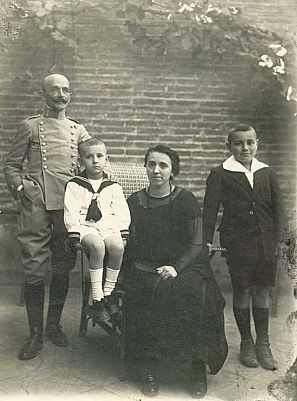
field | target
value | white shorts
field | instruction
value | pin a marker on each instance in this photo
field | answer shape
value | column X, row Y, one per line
column 104, row 232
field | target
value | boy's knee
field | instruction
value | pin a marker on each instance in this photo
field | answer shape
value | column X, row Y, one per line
column 241, row 298
column 260, row 297
column 94, row 244
column 115, row 246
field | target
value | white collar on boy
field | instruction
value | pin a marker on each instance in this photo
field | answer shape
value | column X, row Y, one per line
column 231, row 164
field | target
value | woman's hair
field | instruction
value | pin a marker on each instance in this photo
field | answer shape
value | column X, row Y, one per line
column 240, row 128
column 172, row 154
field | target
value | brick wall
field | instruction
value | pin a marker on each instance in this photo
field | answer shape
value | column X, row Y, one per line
column 131, row 100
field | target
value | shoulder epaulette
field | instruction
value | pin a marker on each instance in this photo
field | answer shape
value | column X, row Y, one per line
column 73, row 119
column 31, row 117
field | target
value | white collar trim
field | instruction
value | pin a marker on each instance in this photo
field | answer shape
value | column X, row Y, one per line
column 231, row 164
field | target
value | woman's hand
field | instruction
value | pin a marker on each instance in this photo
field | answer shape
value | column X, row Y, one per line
column 167, row 272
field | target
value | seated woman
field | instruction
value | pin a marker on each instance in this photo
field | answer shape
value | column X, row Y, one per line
column 172, row 304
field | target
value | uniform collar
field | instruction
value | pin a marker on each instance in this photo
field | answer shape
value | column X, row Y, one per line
column 50, row 113
column 231, row 164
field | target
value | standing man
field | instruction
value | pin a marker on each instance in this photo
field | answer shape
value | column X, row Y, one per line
column 42, row 159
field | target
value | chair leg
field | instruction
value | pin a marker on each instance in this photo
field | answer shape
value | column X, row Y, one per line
column 86, row 288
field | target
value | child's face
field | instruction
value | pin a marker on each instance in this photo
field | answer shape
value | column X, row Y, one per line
column 243, row 146
column 94, row 159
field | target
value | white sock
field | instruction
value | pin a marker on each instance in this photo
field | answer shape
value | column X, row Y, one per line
column 96, row 281
column 110, row 280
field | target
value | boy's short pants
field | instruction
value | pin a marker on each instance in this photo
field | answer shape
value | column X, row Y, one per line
column 103, row 231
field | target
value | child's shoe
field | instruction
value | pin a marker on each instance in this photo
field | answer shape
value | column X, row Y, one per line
column 99, row 312
column 247, row 353
column 264, row 354
column 112, row 305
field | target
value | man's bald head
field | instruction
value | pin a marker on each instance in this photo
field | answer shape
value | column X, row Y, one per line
column 55, row 91
column 53, row 78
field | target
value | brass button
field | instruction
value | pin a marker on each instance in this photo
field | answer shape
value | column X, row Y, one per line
column 43, row 144
column 72, row 146
column 73, row 155
column 71, row 170
column 44, row 159
column 251, row 212
column 45, row 167
column 41, row 122
column 43, row 151
column 72, row 133
column 41, row 129
column 73, row 163
column 72, row 139
column 41, row 136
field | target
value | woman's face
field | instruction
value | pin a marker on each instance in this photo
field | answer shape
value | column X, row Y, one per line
column 158, row 168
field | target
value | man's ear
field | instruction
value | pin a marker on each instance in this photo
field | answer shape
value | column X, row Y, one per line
column 228, row 145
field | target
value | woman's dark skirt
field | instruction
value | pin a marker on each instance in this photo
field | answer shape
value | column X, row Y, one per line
column 181, row 318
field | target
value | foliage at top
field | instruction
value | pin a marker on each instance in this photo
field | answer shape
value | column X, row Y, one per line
column 12, row 16
column 200, row 28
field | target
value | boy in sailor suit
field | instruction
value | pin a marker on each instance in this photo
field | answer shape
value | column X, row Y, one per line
column 250, row 231
column 97, row 216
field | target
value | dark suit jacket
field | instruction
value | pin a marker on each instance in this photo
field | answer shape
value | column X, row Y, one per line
column 247, row 211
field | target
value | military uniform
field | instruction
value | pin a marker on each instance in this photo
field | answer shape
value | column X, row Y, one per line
column 43, row 157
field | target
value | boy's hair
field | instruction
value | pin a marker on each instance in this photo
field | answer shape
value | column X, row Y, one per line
column 240, row 128
column 88, row 143
column 172, row 154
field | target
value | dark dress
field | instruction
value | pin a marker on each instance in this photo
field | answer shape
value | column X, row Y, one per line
column 181, row 317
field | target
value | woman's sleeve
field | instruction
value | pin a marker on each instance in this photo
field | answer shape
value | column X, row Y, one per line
column 194, row 233
column 212, row 201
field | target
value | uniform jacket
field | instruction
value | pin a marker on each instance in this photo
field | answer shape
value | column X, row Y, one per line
column 247, row 210
column 110, row 201
column 43, row 157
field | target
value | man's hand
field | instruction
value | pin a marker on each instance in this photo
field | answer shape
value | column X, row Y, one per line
column 167, row 272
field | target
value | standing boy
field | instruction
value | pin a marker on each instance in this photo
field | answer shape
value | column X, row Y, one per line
column 42, row 159
column 98, row 217
column 250, row 231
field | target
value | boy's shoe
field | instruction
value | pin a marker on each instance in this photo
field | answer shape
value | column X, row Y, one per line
column 111, row 305
column 99, row 312
column 32, row 346
column 264, row 354
column 247, row 353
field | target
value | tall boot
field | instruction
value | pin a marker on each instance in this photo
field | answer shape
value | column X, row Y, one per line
column 57, row 295
column 198, row 379
column 263, row 350
column 34, row 301
column 247, row 346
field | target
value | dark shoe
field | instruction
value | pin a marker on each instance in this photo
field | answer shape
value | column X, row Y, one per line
column 111, row 305
column 55, row 334
column 150, row 384
column 99, row 312
column 32, row 346
column 198, row 380
column 264, row 354
column 247, row 353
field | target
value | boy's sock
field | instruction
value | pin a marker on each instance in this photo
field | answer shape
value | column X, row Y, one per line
column 110, row 280
column 96, row 281
column 243, row 320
